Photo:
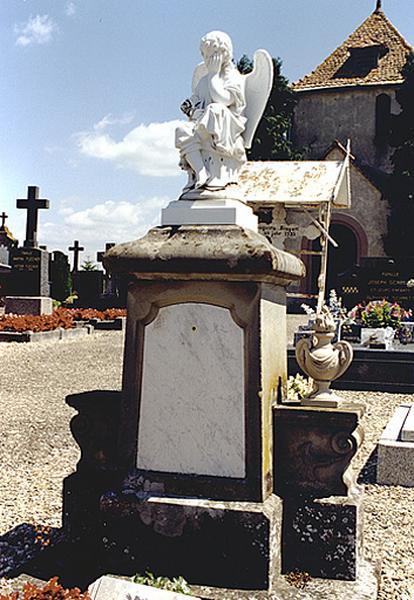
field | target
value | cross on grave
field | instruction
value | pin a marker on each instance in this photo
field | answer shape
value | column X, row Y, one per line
column 32, row 204
column 100, row 255
column 76, row 249
column 3, row 218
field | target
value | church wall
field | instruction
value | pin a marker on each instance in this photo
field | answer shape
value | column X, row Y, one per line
column 321, row 116
column 369, row 208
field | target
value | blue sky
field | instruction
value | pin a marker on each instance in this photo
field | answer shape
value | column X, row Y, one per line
column 90, row 92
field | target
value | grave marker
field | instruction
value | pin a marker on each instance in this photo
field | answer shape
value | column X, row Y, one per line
column 32, row 204
column 29, row 281
column 76, row 249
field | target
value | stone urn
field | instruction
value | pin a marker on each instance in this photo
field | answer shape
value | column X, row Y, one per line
column 323, row 361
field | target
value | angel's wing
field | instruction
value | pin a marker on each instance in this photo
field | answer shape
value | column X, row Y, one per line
column 258, row 85
column 199, row 72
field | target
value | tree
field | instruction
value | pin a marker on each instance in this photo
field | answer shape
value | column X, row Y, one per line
column 272, row 139
column 399, row 240
column 88, row 265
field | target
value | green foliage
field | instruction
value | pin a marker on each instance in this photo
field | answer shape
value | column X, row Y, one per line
column 89, row 265
column 272, row 140
column 177, row 584
column 398, row 241
column 245, row 65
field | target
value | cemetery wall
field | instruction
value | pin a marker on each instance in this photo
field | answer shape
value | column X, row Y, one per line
column 321, row 116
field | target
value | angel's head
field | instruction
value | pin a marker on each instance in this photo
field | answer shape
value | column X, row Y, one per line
column 217, row 41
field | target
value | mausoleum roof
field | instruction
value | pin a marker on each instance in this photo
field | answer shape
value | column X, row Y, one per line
column 374, row 53
column 296, row 183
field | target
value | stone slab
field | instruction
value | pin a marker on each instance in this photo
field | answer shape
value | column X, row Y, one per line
column 28, row 305
column 209, row 212
column 113, row 588
column 197, row 350
column 395, row 464
column 407, row 432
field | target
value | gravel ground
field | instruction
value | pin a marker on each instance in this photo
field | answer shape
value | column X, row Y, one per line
column 37, row 450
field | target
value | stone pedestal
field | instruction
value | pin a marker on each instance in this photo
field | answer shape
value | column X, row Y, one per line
column 213, row 210
column 322, row 516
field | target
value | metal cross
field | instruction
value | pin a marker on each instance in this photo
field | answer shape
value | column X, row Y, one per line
column 32, row 204
column 76, row 249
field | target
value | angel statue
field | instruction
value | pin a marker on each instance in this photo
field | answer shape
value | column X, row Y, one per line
column 223, row 111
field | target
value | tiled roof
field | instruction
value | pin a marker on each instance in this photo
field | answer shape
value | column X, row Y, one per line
column 375, row 32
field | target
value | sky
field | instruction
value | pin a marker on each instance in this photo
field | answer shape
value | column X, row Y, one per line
column 90, row 93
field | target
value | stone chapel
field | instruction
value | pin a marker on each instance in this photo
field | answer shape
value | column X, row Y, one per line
column 351, row 95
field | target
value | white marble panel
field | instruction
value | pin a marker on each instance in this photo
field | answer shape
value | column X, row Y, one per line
column 192, row 403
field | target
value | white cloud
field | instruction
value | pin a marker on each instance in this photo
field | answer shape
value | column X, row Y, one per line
column 36, row 30
column 70, row 9
column 108, row 120
column 108, row 221
column 146, row 149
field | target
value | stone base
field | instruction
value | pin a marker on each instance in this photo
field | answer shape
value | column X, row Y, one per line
column 365, row 588
column 28, row 305
column 395, row 455
column 224, row 544
column 209, row 211
column 323, row 539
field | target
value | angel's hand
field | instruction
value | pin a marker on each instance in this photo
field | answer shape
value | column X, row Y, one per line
column 215, row 63
column 187, row 107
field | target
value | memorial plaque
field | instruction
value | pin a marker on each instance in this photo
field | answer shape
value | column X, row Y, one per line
column 378, row 279
column 30, row 272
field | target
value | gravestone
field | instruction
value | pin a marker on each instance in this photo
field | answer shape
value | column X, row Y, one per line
column 29, row 285
column 115, row 284
column 396, row 449
column 88, row 286
column 60, row 276
column 195, row 468
column 378, row 279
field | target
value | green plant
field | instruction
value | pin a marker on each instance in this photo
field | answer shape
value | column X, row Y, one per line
column 50, row 591
column 176, row 584
column 89, row 265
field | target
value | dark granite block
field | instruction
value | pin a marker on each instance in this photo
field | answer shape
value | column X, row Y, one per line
column 322, row 539
column 224, row 544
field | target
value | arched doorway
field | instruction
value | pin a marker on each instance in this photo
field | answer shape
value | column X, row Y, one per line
column 342, row 258
column 352, row 245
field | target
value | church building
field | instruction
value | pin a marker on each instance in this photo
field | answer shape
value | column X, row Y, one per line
column 351, row 95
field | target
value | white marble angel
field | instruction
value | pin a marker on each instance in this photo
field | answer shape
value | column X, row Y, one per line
column 223, row 111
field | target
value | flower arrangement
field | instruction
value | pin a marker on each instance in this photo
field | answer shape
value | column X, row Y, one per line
column 299, row 387
column 61, row 317
column 334, row 305
column 50, row 591
column 379, row 313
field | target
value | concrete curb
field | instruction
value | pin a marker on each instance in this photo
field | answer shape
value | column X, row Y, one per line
column 45, row 336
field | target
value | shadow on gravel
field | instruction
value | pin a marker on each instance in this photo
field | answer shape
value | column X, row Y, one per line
column 42, row 552
column 368, row 473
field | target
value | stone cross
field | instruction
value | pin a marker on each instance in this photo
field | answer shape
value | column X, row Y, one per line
column 76, row 249
column 32, row 204
column 3, row 218
column 100, row 255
